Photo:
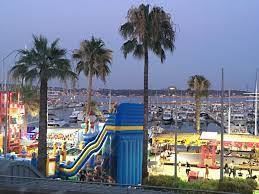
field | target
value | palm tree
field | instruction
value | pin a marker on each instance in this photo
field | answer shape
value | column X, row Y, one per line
column 93, row 60
column 147, row 30
column 199, row 87
column 41, row 63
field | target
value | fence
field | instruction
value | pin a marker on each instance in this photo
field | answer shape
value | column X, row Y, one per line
column 50, row 185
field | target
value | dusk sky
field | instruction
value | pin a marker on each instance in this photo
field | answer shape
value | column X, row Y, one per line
column 210, row 35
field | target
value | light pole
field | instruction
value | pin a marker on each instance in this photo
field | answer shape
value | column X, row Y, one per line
column 222, row 126
column 3, row 60
column 173, row 88
column 6, row 89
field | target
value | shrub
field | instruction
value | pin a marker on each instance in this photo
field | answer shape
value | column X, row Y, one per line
column 162, row 181
column 252, row 183
column 200, row 185
column 244, row 186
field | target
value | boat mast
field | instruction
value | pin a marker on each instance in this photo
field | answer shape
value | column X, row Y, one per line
column 156, row 98
column 229, row 113
column 110, row 100
column 256, row 132
column 181, row 97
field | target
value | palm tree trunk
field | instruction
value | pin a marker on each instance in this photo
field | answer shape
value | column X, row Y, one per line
column 145, row 128
column 42, row 146
column 197, row 114
column 89, row 96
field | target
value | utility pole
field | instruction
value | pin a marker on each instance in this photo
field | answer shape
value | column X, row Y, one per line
column 6, row 91
column 175, row 139
column 175, row 150
column 229, row 113
column 256, row 105
column 222, row 126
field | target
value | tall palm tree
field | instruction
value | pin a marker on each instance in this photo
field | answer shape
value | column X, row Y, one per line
column 147, row 30
column 199, row 87
column 93, row 60
column 41, row 63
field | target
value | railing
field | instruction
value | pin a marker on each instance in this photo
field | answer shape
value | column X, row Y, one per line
column 48, row 185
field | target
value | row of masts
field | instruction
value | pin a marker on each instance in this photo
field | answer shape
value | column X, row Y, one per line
column 229, row 106
column 255, row 107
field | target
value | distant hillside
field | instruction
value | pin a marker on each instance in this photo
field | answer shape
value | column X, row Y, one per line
column 131, row 92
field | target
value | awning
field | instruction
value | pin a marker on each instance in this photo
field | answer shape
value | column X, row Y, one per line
column 208, row 135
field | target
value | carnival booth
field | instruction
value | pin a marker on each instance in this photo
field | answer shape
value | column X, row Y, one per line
column 208, row 150
column 11, row 116
column 71, row 136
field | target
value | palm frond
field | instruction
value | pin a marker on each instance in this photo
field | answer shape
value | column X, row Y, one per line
column 151, row 28
column 138, row 51
column 93, row 56
column 198, row 86
column 42, row 61
column 129, row 46
column 127, row 29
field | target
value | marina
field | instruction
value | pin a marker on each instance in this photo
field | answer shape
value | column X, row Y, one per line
column 132, row 97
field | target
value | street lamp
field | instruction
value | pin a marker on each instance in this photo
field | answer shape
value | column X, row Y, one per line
column 6, row 101
column 222, row 127
column 173, row 88
column 3, row 61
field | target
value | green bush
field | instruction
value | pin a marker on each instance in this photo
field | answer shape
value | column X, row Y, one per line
column 162, row 181
column 244, row 186
column 200, row 185
column 252, row 183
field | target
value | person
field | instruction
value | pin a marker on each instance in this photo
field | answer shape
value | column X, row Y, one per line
column 11, row 157
column 98, row 160
column 97, row 174
column 240, row 174
column 226, row 169
column 110, row 179
column 250, row 172
column 162, row 155
column 188, row 168
column 188, row 148
column 89, row 172
column 206, row 171
column 179, row 166
column 34, row 159
column 232, row 169
column 82, row 175
column 23, row 152
column 88, row 167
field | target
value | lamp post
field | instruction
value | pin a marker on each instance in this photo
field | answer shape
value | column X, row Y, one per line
column 6, row 89
column 173, row 88
column 222, row 127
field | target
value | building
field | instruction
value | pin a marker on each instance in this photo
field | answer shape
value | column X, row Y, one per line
column 11, row 115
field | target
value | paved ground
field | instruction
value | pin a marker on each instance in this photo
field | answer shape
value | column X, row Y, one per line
column 161, row 169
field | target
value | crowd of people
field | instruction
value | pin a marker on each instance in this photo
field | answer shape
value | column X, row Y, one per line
column 97, row 174
column 231, row 169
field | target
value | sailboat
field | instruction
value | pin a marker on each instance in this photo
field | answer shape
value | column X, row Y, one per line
column 255, row 104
